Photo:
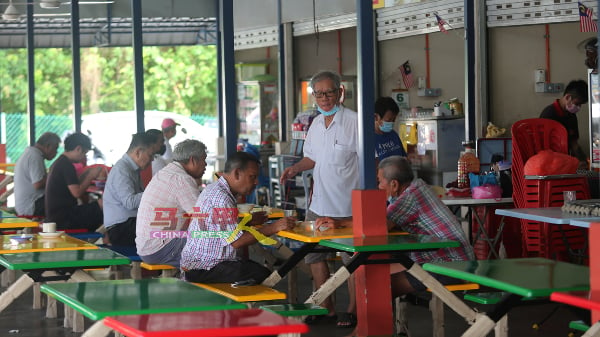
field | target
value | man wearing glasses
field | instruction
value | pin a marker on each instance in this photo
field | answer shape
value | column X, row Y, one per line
column 331, row 151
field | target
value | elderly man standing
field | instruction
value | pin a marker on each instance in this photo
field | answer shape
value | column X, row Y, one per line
column 170, row 195
column 331, row 148
column 63, row 188
column 123, row 190
column 213, row 252
column 30, row 175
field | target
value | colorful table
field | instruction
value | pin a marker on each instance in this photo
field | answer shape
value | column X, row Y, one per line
column 242, row 322
column 97, row 300
column 67, row 265
column 399, row 244
column 520, row 278
column 581, row 299
column 10, row 221
column 41, row 244
column 552, row 215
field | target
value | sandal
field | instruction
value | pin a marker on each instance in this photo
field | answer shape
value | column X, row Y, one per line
column 346, row 320
column 319, row 319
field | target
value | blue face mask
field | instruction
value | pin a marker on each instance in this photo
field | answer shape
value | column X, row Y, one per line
column 330, row 112
column 386, row 127
column 391, row 200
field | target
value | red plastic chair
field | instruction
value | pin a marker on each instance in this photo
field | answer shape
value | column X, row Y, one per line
column 530, row 136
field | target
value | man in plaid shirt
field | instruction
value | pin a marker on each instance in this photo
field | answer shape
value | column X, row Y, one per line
column 414, row 208
column 212, row 253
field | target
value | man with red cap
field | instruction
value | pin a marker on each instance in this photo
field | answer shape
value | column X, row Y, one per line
column 169, row 131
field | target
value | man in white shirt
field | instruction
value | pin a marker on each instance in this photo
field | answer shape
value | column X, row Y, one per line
column 331, row 151
column 30, row 175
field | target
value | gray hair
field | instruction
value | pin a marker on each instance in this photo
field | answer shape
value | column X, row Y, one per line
column 324, row 75
column 189, row 148
column 397, row 168
column 48, row 138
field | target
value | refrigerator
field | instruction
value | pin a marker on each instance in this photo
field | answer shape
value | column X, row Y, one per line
column 433, row 146
column 258, row 112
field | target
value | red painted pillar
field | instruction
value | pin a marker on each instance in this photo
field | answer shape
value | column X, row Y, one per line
column 373, row 290
column 594, row 237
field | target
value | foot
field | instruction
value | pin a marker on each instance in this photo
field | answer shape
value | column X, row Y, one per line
column 346, row 320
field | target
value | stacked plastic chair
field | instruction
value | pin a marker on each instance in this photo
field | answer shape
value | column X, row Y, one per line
column 530, row 136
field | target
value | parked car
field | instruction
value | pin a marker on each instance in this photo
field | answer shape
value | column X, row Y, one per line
column 111, row 133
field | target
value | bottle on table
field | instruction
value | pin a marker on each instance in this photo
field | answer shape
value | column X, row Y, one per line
column 467, row 163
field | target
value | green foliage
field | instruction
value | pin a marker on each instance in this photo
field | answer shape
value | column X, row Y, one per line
column 180, row 79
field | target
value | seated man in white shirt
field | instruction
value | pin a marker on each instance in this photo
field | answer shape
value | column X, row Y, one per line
column 170, row 195
column 30, row 175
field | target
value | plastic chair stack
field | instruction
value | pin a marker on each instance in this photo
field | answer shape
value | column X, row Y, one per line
column 530, row 136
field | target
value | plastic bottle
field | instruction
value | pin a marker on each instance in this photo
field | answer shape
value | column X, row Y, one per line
column 467, row 163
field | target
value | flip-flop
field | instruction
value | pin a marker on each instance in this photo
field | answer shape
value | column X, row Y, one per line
column 346, row 320
column 319, row 319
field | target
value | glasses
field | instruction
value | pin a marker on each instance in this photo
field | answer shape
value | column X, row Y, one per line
column 329, row 93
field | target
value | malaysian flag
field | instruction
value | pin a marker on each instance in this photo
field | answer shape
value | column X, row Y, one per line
column 441, row 23
column 406, row 75
column 586, row 19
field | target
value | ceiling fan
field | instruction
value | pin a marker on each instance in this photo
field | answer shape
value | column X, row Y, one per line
column 12, row 13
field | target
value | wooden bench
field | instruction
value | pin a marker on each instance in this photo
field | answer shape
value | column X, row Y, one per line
column 436, row 306
column 254, row 293
column 167, row 270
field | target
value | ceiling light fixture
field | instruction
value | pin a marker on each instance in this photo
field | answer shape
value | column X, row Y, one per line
column 50, row 4
column 11, row 12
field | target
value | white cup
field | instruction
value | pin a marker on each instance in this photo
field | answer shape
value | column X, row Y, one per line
column 569, row 196
column 49, row 227
column 289, row 213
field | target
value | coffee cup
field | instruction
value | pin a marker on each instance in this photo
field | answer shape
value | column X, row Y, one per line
column 289, row 213
column 49, row 227
column 569, row 196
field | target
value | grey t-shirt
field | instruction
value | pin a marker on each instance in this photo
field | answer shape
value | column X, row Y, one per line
column 29, row 169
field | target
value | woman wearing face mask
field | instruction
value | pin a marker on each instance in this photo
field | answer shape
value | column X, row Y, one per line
column 387, row 142
column 564, row 110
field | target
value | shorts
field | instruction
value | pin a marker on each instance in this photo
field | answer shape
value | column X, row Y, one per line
column 311, row 258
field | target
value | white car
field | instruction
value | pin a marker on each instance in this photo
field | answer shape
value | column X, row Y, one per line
column 111, row 133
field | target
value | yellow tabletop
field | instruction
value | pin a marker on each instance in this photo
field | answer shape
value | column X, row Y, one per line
column 252, row 293
column 6, row 223
column 40, row 244
column 305, row 232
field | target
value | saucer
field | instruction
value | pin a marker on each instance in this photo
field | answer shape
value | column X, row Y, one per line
column 51, row 235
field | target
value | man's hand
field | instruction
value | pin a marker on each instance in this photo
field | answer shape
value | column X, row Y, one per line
column 283, row 224
column 258, row 218
column 326, row 223
column 288, row 173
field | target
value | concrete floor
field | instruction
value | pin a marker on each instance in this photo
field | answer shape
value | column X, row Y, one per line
column 19, row 320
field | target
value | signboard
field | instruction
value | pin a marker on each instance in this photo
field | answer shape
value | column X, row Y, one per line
column 401, row 98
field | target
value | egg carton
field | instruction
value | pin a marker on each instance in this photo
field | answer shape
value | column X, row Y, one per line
column 583, row 207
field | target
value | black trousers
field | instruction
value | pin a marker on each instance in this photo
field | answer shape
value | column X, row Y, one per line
column 122, row 234
column 229, row 272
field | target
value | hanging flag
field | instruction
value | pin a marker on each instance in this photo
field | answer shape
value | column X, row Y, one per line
column 586, row 19
column 406, row 75
column 441, row 23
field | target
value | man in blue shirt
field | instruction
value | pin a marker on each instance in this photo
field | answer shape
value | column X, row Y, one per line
column 123, row 191
column 387, row 141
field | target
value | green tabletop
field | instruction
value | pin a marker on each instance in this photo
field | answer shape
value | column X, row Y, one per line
column 389, row 243
column 86, row 258
column 527, row 277
column 97, row 300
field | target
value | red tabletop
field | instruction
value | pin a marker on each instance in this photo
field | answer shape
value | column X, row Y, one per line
column 239, row 322
column 581, row 299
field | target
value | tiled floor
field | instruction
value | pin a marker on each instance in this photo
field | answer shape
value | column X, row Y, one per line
column 19, row 320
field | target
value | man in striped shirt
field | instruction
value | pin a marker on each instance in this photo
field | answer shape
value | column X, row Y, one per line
column 213, row 250
column 415, row 208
